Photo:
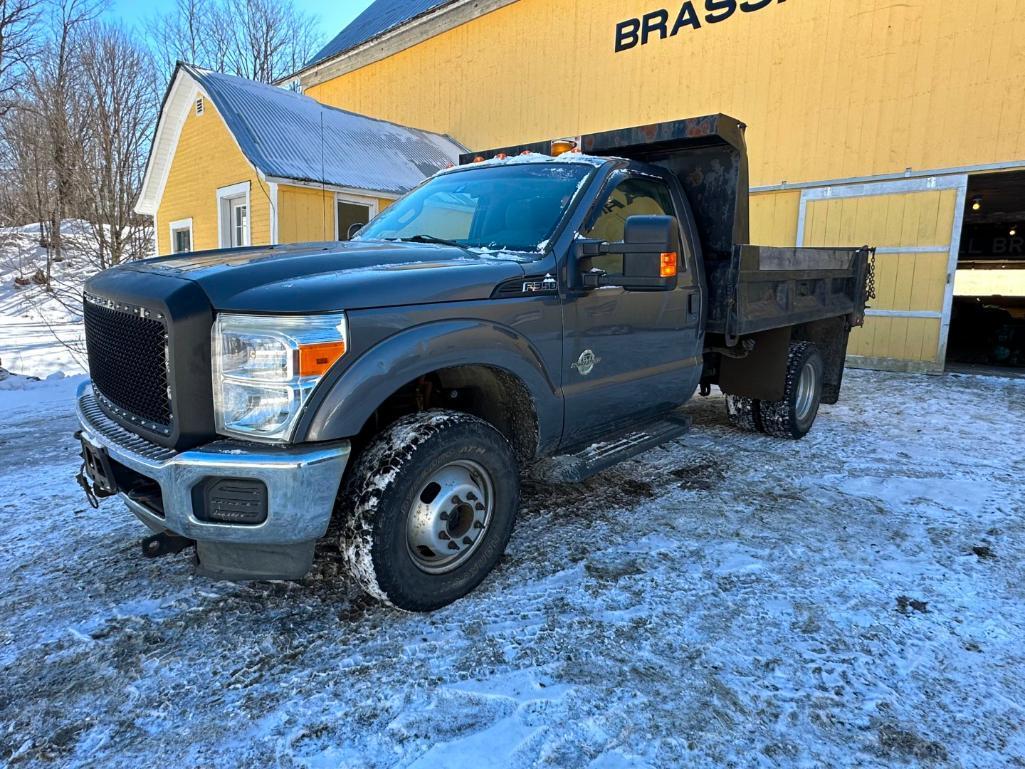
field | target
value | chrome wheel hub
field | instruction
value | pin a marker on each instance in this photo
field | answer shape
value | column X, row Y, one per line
column 450, row 516
column 805, row 392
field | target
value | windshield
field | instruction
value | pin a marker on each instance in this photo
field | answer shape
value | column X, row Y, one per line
column 514, row 207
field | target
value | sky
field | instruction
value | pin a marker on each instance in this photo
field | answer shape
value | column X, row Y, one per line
column 333, row 15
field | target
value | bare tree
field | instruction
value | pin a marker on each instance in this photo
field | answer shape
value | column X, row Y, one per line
column 257, row 39
column 269, row 39
column 18, row 20
column 28, row 177
column 187, row 33
column 56, row 95
column 121, row 93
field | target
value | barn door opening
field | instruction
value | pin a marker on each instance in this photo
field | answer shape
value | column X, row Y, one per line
column 915, row 224
column 987, row 325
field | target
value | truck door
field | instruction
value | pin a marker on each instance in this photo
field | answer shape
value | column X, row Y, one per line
column 630, row 354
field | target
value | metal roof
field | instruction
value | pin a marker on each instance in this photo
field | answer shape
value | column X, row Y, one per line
column 378, row 18
column 285, row 134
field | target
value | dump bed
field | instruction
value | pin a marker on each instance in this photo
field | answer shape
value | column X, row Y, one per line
column 762, row 287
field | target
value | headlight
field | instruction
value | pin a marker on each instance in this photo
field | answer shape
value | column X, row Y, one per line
column 265, row 367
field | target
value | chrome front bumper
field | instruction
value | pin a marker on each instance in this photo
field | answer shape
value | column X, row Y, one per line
column 302, row 482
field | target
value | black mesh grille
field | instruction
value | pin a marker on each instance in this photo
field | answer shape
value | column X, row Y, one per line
column 127, row 361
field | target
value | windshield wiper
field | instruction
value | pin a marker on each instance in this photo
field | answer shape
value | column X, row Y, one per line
column 432, row 239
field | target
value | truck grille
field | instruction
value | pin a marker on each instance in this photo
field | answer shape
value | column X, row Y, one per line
column 127, row 349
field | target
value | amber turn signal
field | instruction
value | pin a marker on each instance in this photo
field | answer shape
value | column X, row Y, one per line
column 560, row 146
column 668, row 264
column 316, row 359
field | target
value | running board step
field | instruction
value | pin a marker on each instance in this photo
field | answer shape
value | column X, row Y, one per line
column 573, row 468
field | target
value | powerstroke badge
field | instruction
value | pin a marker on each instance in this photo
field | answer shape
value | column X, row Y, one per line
column 664, row 23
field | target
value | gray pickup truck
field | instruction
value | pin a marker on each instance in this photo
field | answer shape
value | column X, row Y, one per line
column 531, row 310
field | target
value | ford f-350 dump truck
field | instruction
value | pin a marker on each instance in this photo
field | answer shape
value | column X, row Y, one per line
column 525, row 311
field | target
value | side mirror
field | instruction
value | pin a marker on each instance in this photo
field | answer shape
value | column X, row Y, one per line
column 353, row 229
column 651, row 252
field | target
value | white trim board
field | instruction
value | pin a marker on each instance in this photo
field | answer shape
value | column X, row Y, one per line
column 333, row 188
column 958, row 183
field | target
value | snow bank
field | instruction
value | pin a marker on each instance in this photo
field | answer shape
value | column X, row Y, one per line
column 41, row 331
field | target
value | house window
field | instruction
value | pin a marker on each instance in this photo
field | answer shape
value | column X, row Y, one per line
column 233, row 215
column 181, row 236
column 352, row 213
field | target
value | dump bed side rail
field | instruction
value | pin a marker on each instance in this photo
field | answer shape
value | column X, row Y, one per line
column 764, row 287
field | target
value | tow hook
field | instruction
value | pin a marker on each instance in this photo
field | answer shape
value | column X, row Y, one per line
column 165, row 543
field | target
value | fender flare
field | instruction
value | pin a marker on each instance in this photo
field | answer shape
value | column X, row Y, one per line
column 352, row 396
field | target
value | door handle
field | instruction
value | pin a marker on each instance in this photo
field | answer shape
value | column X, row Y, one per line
column 690, row 303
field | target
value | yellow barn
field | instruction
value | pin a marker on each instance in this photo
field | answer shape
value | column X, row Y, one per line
column 894, row 124
column 237, row 163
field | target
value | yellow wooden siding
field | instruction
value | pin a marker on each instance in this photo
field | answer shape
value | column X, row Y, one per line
column 829, row 88
column 207, row 158
column 910, row 219
column 905, row 282
column 898, row 339
column 774, row 218
column 306, row 214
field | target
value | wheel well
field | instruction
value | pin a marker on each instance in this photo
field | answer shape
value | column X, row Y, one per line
column 493, row 394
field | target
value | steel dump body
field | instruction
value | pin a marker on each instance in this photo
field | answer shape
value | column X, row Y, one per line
column 763, row 287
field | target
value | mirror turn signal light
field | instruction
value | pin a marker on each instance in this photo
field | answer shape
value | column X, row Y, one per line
column 667, row 268
column 316, row 359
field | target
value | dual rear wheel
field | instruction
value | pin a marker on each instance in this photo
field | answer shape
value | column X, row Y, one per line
column 793, row 415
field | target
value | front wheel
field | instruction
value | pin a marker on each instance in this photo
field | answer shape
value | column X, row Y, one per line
column 794, row 414
column 431, row 503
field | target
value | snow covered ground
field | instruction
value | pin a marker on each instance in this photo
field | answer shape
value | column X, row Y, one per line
column 41, row 331
column 853, row 599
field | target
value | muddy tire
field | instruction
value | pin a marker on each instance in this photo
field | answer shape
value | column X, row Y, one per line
column 793, row 416
column 743, row 413
column 429, row 507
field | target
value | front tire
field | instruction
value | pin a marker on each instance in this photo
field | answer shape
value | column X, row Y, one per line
column 430, row 503
column 793, row 416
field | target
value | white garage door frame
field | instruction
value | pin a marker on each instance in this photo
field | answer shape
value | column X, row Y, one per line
column 957, row 182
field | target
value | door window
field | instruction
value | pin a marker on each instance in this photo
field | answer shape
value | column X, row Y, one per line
column 239, row 222
column 633, row 196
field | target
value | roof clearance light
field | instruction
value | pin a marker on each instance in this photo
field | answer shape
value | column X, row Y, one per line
column 668, row 266
column 561, row 146
column 525, row 152
column 501, row 156
column 479, row 159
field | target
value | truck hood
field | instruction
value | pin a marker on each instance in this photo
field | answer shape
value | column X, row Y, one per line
column 323, row 277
